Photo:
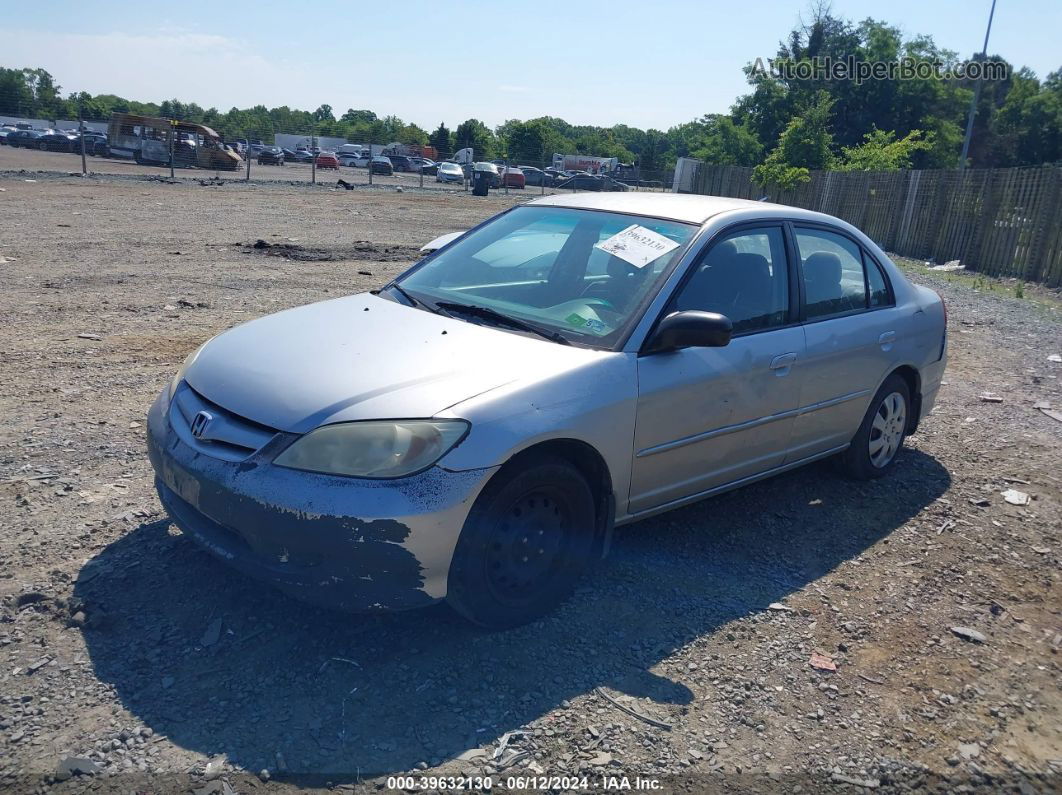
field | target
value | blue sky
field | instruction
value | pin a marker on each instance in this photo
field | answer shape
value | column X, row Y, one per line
column 648, row 64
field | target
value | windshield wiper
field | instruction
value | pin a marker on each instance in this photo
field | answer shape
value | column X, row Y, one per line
column 486, row 313
column 436, row 309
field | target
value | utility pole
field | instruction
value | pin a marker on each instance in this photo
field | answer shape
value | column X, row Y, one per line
column 977, row 93
column 173, row 134
column 81, row 128
column 313, row 154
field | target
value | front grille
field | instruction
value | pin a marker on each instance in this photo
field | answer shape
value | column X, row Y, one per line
column 225, row 435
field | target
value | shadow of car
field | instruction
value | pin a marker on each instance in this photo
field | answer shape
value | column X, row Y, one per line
column 343, row 696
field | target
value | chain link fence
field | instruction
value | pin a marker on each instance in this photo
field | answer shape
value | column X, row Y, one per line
column 163, row 145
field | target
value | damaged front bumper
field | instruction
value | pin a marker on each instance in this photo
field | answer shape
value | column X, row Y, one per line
column 349, row 543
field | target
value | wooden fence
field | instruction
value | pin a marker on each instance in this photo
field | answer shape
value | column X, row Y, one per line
column 1001, row 222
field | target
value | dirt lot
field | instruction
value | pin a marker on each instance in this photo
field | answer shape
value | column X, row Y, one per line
column 685, row 659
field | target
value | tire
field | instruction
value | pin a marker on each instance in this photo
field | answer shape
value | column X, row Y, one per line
column 42, row 146
column 872, row 453
column 539, row 498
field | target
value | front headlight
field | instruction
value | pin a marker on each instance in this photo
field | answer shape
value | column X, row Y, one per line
column 374, row 449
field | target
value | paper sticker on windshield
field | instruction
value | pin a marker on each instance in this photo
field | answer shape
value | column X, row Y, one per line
column 637, row 245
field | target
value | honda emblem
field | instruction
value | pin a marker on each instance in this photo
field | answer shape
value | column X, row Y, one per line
column 200, row 422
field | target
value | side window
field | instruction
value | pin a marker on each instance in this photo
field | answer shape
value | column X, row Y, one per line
column 879, row 290
column 745, row 277
column 833, row 273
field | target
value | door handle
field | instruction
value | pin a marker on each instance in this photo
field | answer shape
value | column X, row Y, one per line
column 886, row 338
column 782, row 363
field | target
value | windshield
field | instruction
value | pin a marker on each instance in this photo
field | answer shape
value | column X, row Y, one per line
column 583, row 273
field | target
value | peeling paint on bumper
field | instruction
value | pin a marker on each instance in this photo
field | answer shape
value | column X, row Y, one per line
column 343, row 542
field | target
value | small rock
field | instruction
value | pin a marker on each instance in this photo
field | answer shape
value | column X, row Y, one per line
column 96, row 337
column 821, row 662
column 263, row 774
column 70, row 766
column 1015, row 497
column 212, row 634
column 1054, row 357
column 779, row 607
column 213, row 769
column 988, row 397
column 969, row 750
column 969, row 634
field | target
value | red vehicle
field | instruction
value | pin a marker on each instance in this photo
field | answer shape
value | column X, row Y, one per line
column 328, row 160
column 513, row 177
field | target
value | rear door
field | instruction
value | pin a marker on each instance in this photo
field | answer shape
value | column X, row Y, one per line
column 711, row 416
column 851, row 328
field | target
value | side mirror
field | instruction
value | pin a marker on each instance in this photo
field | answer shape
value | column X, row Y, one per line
column 690, row 329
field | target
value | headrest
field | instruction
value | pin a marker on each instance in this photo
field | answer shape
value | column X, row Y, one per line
column 823, row 267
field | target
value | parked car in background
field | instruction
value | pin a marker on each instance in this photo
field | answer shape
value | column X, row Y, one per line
column 361, row 160
column 382, row 165
column 554, row 176
column 594, row 182
column 271, row 156
column 513, row 177
column 402, row 163
column 500, row 430
column 24, row 138
column 429, row 167
column 56, row 141
column 327, row 160
column 349, row 158
column 535, row 176
column 297, row 156
column 95, row 143
column 253, row 150
column 449, row 172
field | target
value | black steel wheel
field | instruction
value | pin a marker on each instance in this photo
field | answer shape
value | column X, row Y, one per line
column 526, row 542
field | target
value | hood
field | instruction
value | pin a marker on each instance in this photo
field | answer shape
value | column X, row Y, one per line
column 365, row 357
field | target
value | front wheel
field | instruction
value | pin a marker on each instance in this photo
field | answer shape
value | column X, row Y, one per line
column 42, row 146
column 527, row 540
column 881, row 434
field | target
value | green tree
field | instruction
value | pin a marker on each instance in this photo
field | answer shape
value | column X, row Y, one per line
column 804, row 145
column 441, row 140
column 474, row 133
column 727, row 143
column 882, row 151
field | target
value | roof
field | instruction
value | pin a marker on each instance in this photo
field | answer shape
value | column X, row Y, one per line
column 687, row 207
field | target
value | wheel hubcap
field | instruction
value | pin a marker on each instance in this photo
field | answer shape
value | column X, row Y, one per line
column 527, row 545
column 887, row 429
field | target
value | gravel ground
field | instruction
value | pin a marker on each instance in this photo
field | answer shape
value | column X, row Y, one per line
column 133, row 661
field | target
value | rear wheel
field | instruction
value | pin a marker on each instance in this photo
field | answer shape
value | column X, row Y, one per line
column 527, row 540
column 881, row 434
column 42, row 146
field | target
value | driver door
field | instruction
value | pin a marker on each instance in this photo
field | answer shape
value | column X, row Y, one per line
column 708, row 417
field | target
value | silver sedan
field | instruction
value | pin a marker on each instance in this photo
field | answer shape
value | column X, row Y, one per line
column 475, row 429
